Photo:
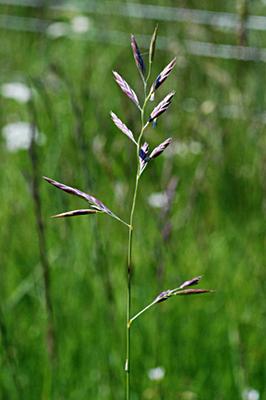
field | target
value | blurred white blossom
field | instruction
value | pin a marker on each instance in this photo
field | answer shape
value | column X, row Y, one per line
column 207, row 107
column 17, row 91
column 183, row 149
column 250, row 394
column 57, row 30
column 190, row 104
column 158, row 200
column 120, row 191
column 80, row 24
column 156, row 374
column 18, row 136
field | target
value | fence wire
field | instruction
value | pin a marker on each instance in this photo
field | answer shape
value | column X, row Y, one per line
column 197, row 48
column 219, row 20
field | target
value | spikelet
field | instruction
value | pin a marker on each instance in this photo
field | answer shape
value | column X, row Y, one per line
column 162, row 106
column 191, row 282
column 159, row 149
column 143, row 157
column 75, row 213
column 137, row 56
column 191, row 291
column 153, row 45
column 164, row 74
column 97, row 204
column 163, row 296
column 124, row 86
column 120, row 125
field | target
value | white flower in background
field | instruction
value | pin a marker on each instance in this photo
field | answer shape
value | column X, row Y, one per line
column 57, row 30
column 183, row 149
column 250, row 394
column 156, row 374
column 18, row 136
column 158, row 200
column 195, row 147
column 207, row 107
column 119, row 191
column 190, row 104
column 80, row 24
column 17, row 91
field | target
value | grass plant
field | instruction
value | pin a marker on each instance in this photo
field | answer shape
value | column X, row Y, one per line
column 144, row 157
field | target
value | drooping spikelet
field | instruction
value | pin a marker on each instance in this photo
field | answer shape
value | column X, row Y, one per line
column 97, row 204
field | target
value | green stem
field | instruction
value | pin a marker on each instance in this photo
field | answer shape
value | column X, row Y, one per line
column 130, row 238
column 129, row 257
column 141, row 312
column 129, row 278
column 121, row 220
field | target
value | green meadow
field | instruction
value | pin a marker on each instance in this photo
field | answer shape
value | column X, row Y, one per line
column 208, row 347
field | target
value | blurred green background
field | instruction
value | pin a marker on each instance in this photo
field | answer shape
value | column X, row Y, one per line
column 56, row 75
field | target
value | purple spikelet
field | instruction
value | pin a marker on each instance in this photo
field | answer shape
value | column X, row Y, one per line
column 192, row 291
column 159, row 149
column 163, row 75
column 163, row 296
column 162, row 106
column 191, row 282
column 75, row 213
column 120, row 125
column 137, row 56
column 97, row 204
column 143, row 156
column 124, row 86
